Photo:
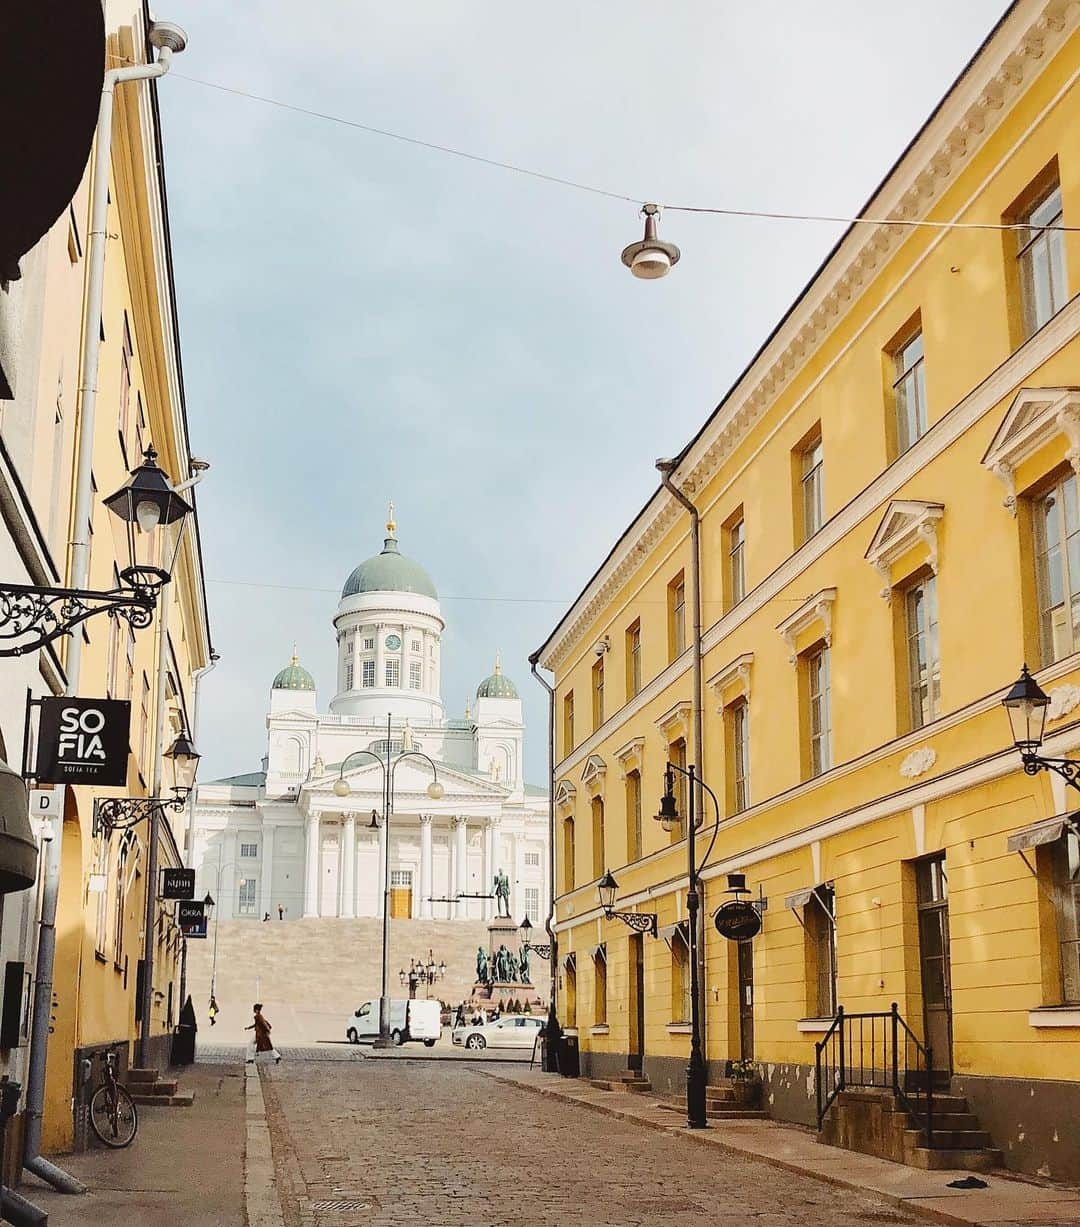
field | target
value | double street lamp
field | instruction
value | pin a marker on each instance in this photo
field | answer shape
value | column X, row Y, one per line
column 32, row 615
column 342, row 788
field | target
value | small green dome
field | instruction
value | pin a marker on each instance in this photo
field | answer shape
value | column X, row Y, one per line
column 389, row 571
column 293, row 677
column 497, row 686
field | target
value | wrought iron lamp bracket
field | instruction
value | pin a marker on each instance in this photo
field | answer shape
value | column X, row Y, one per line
column 48, row 613
column 123, row 813
column 541, row 951
column 1067, row 768
column 642, row 922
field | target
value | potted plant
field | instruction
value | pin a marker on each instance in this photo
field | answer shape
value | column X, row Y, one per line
column 745, row 1083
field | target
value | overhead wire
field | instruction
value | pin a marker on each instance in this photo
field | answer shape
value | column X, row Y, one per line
column 577, row 185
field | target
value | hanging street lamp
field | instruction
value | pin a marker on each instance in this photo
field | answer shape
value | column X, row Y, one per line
column 650, row 258
column 542, row 951
column 1027, row 706
column 32, row 615
column 642, row 922
column 121, row 813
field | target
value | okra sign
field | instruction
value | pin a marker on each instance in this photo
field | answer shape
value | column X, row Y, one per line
column 83, row 741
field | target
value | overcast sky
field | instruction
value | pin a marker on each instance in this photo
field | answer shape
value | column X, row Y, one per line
column 363, row 319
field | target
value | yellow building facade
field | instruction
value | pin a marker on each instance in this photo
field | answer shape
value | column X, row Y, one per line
column 140, row 404
column 889, row 527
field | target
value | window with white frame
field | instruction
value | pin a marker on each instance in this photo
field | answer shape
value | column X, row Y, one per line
column 1065, row 858
column 532, row 902
column 820, row 922
column 1040, row 260
column 367, row 673
column 416, row 675
column 247, row 903
column 820, row 704
column 1056, row 519
column 737, row 560
column 600, row 986
column 680, row 974
column 402, row 878
column 416, row 645
column 909, row 391
column 813, row 487
column 393, row 672
column 532, row 860
column 924, row 664
column 369, row 644
column 740, row 755
column 249, row 851
column 348, row 676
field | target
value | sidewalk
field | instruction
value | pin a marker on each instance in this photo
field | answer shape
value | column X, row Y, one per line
column 1008, row 1201
column 184, row 1169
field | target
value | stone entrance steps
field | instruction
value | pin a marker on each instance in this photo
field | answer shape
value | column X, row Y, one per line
column 148, row 1087
column 879, row 1123
column 632, row 1082
column 722, row 1102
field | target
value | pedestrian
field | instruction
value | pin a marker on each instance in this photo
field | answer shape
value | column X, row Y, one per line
column 280, row 912
column 213, row 1011
column 261, row 1041
column 459, row 1018
column 266, row 917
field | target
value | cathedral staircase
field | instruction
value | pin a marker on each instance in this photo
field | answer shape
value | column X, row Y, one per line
column 311, row 974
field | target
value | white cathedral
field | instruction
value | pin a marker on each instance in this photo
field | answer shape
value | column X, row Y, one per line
column 307, row 835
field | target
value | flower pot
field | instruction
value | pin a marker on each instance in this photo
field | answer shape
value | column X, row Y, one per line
column 747, row 1091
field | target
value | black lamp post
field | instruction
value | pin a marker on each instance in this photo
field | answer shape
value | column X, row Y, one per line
column 421, row 972
column 668, row 816
column 32, row 616
column 1027, row 707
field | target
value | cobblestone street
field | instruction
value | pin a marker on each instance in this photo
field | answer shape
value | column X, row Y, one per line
column 426, row 1142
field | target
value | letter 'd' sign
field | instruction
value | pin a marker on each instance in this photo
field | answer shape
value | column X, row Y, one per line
column 738, row 921
column 83, row 741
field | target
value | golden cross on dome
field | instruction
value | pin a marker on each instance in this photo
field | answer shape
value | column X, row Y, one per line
column 294, row 661
column 498, row 661
column 390, row 525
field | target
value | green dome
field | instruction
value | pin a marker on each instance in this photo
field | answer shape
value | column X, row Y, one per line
column 293, row 677
column 497, row 686
column 390, row 571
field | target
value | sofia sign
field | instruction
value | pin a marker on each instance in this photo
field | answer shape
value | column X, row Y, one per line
column 738, row 921
column 83, row 741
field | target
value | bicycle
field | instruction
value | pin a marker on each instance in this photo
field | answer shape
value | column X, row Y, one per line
column 114, row 1117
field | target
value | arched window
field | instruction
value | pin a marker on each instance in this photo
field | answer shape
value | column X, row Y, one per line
column 127, row 866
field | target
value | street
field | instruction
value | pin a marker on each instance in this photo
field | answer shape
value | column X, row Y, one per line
column 439, row 1143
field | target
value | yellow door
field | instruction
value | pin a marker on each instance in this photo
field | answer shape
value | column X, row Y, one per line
column 400, row 902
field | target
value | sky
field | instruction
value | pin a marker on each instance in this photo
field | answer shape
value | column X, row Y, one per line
column 363, row 319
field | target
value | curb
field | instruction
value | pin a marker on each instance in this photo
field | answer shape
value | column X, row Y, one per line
column 700, row 1138
column 261, row 1205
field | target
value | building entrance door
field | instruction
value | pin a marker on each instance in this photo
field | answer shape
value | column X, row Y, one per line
column 328, row 901
column 746, row 1000
column 636, row 953
column 400, row 894
column 932, row 892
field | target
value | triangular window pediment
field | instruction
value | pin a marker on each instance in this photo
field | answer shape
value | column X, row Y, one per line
column 565, row 793
column 906, row 524
column 1035, row 416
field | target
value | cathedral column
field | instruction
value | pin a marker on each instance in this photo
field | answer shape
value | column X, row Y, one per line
column 266, row 872
column 348, row 868
column 461, row 865
column 230, row 872
column 489, row 872
column 311, row 865
column 425, row 867
column 384, row 851
column 380, row 658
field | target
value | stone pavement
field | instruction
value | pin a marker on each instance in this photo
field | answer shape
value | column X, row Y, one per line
column 184, row 1169
column 423, row 1142
column 1007, row 1201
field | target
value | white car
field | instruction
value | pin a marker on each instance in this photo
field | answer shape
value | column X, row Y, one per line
column 510, row 1031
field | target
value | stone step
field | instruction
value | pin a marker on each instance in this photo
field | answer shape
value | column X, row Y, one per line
column 946, row 1120
column 621, row 1084
column 950, row 1139
column 942, row 1103
column 182, row 1099
column 722, row 1113
column 138, row 1074
column 965, row 1160
column 164, row 1086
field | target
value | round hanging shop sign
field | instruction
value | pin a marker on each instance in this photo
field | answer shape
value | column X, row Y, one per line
column 737, row 921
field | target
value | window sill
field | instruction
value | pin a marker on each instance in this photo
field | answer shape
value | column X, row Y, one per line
column 570, row 1031
column 600, row 1029
column 814, row 1026
column 1055, row 1016
column 680, row 1028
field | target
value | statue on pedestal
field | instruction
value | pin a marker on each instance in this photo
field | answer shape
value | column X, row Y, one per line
column 482, row 971
column 502, row 893
column 523, row 964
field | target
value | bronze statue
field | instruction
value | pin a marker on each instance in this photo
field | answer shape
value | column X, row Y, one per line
column 502, row 893
column 482, row 966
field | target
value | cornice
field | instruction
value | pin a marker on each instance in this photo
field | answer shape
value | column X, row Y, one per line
column 968, row 115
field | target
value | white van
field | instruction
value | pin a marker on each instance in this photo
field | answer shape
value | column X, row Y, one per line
column 409, row 1020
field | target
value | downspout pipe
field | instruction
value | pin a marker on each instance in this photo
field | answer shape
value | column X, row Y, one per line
column 554, row 1031
column 666, row 468
column 193, row 733
column 169, row 40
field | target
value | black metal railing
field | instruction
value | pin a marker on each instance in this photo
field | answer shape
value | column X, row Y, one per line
column 876, row 1051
